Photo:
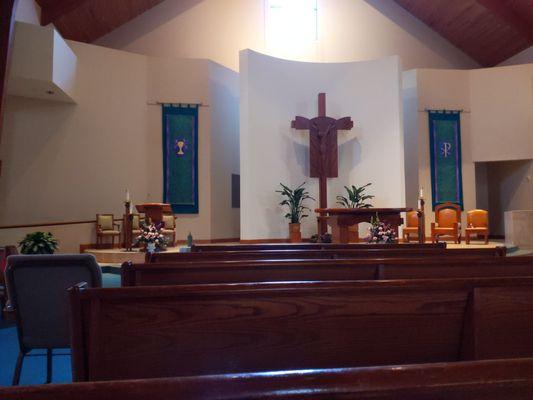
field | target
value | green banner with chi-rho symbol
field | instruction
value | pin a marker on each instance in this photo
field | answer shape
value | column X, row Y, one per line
column 445, row 151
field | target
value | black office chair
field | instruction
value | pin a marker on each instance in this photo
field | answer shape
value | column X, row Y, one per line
column 37, row 287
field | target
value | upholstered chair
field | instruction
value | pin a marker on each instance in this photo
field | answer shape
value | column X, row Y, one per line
column 37, row 287
column 106, row 227
column 169, row 227
column 447, row 222
column 477, row 222
column 136, row 224
column 411, row 226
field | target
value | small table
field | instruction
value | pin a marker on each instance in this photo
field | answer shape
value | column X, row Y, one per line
column 341, row 218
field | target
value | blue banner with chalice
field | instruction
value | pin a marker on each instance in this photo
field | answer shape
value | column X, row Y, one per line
column 180, row 157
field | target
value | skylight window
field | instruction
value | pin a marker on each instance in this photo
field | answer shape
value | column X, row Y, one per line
column 291, row 22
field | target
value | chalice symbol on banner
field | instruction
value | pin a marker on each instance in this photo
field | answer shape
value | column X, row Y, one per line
column 180, row 145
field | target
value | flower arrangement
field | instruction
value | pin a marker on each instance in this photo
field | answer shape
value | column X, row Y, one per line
column 381, row 232
column 152, row 237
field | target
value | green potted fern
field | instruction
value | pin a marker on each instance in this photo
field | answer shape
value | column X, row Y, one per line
column 38, row 243
column 356, row 198
column 294, row 199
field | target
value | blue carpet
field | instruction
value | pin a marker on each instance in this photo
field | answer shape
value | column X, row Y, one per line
column 34, row 367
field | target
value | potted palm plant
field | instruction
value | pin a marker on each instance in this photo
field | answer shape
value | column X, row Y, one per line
column 294, row 199
column 38, row 243
column 356, row 198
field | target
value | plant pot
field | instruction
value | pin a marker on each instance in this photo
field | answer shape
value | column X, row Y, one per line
column 294, row 233
column 353, row 233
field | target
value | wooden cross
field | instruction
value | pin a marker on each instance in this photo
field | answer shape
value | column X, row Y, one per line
column 323, row 152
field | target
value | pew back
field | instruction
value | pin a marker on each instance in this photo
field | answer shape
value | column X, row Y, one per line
column 201, row 272
column 510, row 379
column 147, row 332
column 399, row 251
column 198, row 248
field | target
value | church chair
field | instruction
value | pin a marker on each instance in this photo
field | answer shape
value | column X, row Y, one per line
column 5, row 252
column 136, row 226
column 169, row 227
column 37, row 286
column 447, row 222
column 477, row 222
column 106, row 227
column 411, row 225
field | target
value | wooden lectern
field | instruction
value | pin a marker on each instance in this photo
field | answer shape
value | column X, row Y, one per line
column 154, row 211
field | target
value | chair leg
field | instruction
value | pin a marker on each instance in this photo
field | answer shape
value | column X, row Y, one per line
column 467, row 238
column 18, row 369
column 49, row 365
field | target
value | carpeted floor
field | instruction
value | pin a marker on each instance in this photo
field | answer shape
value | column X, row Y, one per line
column 34, row 367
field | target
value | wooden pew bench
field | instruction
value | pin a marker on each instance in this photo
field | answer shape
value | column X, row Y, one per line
column 202, row 272
column 509, row 379
column 163, row 331
column 399, row 251
column 199, row 248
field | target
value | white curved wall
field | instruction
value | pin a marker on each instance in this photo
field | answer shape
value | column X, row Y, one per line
column 273, row 92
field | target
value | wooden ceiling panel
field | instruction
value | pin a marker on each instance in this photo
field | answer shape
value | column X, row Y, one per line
column 490, row 31
column 87, row 20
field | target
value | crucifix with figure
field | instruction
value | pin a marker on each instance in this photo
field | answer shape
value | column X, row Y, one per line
column 323, row 153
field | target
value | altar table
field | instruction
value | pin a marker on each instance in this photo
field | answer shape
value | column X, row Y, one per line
column 341, row 218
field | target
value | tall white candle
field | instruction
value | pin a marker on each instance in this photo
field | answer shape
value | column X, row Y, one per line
column 127, row 195
column 421, row 193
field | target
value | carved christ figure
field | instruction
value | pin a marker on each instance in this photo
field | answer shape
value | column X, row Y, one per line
column 323, row 151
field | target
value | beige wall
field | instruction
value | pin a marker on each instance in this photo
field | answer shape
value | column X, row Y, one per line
column 348, row 30
column 502, row 113
column 224, row 112
column 68, row 162
column 439, row 89
column 497, row 125
column 28, row 11
column 510, row 188
column 524, row 57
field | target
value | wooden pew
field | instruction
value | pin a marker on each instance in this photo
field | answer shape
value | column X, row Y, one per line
column 198, row 248
column 162, row 331
column 325, row 254
column 202, row 272
column 510, row 379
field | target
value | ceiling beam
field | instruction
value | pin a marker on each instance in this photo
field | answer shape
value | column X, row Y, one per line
column 52, row 10
column 7, row 22
column 498, row 8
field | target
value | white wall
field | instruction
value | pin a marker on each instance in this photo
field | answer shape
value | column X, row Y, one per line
column 273, row 92
column 348, row 30
column 69, row 162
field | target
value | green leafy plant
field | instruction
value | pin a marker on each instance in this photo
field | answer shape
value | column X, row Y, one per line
column 356, row 197
column 294, row 201
column 38, row 243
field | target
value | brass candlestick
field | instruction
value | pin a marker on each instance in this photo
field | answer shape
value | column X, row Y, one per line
column 128, row 226
column 421, row 221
